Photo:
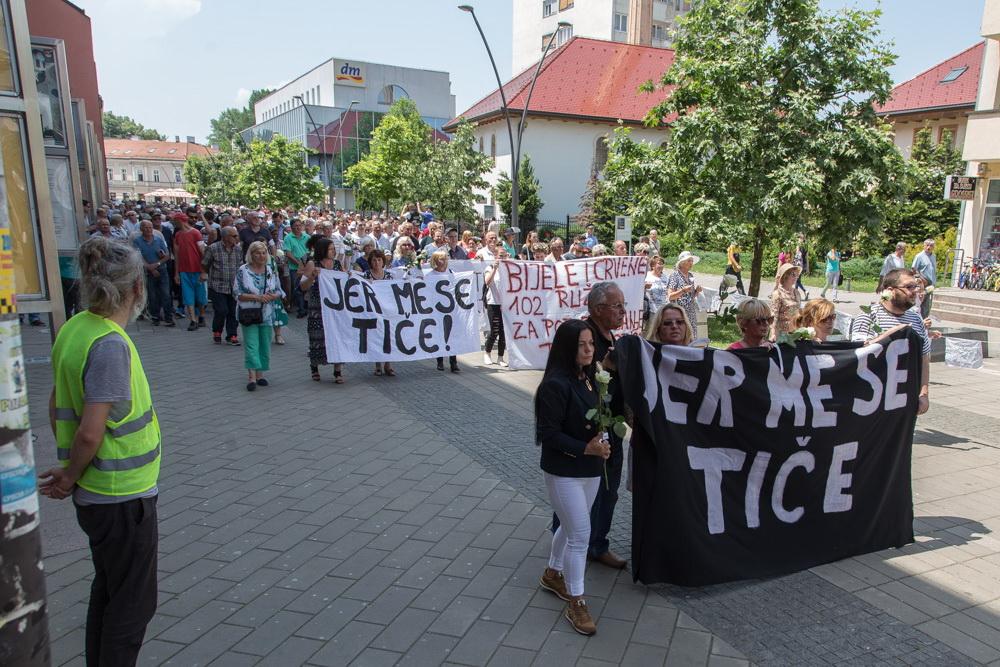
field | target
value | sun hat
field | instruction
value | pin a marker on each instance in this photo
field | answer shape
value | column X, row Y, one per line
column 783, row 269
column 685, row 256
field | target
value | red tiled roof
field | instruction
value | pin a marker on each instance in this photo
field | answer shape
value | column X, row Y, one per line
column 926, row 91
column 584, row 77
column 138, row 149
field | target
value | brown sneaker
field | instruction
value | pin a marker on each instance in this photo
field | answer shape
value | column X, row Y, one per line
column 552, row 580
column 578, row 616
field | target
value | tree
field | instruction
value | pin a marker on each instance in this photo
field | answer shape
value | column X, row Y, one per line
column 385, row 177
column 270, row 173
column 923, row 212
column 451, row 174
column 123, row 127
column 233, row 120
column 529, row 201
column 773, row 126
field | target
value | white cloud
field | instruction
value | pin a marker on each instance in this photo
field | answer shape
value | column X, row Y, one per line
column 242, row 97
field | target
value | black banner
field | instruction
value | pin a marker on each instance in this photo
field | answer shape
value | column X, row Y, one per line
column 750, row 463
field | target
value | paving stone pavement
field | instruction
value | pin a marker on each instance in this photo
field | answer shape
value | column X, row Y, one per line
column 403, row 521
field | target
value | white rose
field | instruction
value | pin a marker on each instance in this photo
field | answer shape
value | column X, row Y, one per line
column 603, row 377
column 886, row 295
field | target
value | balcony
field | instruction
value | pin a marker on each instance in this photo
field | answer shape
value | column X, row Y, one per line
column 982, row 137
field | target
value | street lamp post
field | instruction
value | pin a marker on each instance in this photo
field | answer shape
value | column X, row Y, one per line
column 340, row 141
column 515, row 148
column 324, row 172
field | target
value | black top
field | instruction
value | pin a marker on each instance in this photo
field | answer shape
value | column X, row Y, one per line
column 562, row 427
column 601, row 347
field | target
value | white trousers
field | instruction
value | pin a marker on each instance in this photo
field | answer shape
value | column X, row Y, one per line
column 571, row 498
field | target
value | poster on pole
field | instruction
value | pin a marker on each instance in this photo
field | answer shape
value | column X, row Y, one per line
column 761, row 462
column 536, row 297
column 398, row 320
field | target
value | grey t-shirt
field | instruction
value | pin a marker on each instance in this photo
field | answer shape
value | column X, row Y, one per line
column 107, row 379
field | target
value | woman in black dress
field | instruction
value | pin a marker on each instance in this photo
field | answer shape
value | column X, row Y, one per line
column 324, row 254
column 573, row 455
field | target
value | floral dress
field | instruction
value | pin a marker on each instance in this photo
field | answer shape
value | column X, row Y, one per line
column 657, row 292
column 314, row 324
column 676, row 281
column 785, row 308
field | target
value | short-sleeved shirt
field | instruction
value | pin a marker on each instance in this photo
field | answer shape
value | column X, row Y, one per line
column 107, row 378
column 295, row 246
column 248, row 236
column 862, row 330
column 153, row 251
column 833, row 263
column 188, row 253
column 926, row 266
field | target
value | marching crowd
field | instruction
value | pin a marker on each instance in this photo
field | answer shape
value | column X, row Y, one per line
column 258, row 270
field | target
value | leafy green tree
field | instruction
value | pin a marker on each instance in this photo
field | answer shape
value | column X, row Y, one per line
column 923, row 212
column 773, row 127
column 272, row 173
column 233, row 120
column 451, row 174
column 123, row 127
column 529, row 201
column 384, row 177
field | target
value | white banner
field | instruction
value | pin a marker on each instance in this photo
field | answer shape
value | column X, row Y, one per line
column 536, row 297
column 398, row 320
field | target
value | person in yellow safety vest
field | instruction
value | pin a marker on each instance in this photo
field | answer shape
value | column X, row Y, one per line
column 108, row 443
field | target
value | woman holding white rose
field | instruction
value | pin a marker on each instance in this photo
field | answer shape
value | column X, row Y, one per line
column 572, row 462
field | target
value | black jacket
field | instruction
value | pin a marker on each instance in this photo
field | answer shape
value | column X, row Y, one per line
column 562, row 428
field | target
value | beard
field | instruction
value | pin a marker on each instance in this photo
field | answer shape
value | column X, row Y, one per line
column 902, row 301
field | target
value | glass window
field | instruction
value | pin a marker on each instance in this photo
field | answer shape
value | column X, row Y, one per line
column 563, row 35
column 493, row 147
column 8, row 76
column 391, row 93
column 49, row 99
column 20, row 205
column 954, row 74
column 993, row 193
column 545, row 40
column 600, row 155
column 111, row 175
column 156, row 175
column 139, row 176
column 177, row 175
column 659, row 33
column 548, row 7
column 621, row 22
column 124, row 175
column 565, row 4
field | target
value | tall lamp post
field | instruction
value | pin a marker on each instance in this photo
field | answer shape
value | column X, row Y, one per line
column 324, row 172
column 515, row 148
column 340, row 141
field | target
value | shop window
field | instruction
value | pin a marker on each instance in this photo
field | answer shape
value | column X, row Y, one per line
column 8, row 77
column 21, row 209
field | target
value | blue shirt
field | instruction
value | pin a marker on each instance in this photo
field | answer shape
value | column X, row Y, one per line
column 926, row 266
column 151, row 251
column 590, row 241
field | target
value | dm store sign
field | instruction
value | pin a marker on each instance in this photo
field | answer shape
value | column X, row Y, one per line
column 349, row 74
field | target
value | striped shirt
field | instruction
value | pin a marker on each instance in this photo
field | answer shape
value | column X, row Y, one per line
column 861, row 327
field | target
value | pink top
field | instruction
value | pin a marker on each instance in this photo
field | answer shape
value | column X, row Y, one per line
column 738, row 345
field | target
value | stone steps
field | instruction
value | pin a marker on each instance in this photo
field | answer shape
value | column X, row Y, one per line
column 968, row 307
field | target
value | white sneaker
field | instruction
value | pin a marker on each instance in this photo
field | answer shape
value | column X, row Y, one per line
column 503, row 362
column 487, row 359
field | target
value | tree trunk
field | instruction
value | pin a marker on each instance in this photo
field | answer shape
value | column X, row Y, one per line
column 758, row 261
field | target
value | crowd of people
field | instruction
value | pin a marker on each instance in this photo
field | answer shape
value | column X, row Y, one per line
column 257, row 268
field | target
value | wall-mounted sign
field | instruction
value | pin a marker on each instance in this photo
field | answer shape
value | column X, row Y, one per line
column 623, row 228
column 960, row 187
column 346, row 73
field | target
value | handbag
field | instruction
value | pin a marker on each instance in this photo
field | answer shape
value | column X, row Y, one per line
column 252, row 315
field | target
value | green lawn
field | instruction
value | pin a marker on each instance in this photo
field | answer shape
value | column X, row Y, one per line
column 721, row 335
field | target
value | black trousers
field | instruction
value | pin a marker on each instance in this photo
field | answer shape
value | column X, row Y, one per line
column 496, row 330
column 71, row 296
column 123, row 541
column 223, row 313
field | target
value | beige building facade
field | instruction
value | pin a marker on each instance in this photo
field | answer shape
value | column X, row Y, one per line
column 979, row 229
column 640, row 22
column 137, row 167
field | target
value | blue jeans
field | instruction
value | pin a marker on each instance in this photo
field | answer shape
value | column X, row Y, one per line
column 158, row 295
column 603, row 510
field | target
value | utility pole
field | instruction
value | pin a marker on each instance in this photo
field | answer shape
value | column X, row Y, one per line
column 24, row 632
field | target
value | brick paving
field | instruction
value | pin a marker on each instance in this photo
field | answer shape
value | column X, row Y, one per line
column 404, row 521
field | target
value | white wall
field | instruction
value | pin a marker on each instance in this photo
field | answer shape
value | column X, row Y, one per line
column 562, row 154
column 904, row 133
column 590, row 18
column 430, row 90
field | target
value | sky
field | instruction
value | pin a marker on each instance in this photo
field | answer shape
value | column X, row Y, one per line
column 173, row 65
